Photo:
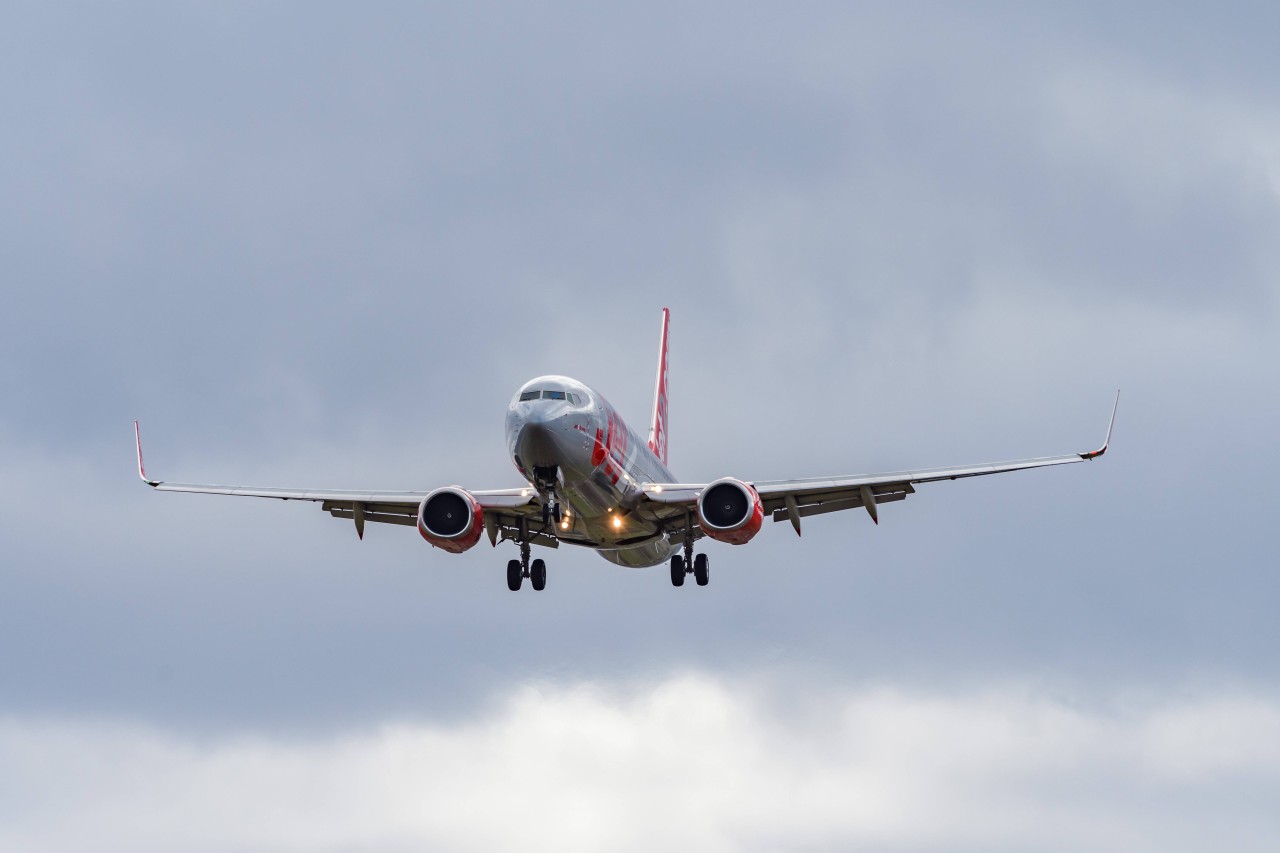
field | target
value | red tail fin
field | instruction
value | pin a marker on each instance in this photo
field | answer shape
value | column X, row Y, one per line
column 658, row 429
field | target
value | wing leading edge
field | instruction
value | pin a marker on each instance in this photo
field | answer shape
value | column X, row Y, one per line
column 795, row 499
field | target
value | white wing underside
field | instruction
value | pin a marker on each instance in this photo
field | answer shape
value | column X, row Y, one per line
column 795, row 499
column 493, row 497
column 503, row 507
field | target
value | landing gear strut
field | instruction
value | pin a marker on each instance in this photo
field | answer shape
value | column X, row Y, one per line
column 699, row 566
column 518, row 570
column 544, row 480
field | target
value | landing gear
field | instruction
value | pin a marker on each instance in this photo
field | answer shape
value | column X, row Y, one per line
column 551, row 510
column 518, row 570
column 544, row 480
column 699, row 566
column 701, row 569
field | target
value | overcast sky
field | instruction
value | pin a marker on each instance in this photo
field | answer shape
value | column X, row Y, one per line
column 318, row 246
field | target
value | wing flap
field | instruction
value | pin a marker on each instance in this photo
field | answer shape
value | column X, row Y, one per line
column 835, row 505
column 378, row 517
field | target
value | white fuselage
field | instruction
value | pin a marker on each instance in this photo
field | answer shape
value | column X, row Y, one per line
column 575, row 448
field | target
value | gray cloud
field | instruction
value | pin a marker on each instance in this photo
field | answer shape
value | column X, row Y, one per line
column 315, row 248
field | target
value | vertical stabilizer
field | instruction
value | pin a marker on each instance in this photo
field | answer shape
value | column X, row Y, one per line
column 658, row 428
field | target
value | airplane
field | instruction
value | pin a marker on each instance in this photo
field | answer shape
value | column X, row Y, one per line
column 590, row 482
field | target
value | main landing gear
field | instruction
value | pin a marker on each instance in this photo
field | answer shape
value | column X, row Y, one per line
column 518, row 570
column 699, row 566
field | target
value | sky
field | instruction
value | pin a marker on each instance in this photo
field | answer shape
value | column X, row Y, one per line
column 315, row 245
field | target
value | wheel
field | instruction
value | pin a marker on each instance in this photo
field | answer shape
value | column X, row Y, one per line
column 538, row 574
column 677, row 570
column 514, row 575
column 701, row 569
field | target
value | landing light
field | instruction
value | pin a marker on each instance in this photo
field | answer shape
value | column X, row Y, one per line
column 617, row 522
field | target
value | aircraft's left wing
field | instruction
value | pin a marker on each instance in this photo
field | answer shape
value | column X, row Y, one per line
column 362, row 506
column 791, row 500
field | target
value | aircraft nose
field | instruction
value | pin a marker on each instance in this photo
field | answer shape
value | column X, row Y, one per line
column 536, row 440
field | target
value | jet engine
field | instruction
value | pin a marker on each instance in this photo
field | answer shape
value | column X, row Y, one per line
column 450, row 518
column 730, row 511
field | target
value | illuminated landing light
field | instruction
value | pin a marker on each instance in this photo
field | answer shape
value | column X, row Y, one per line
column 617, row 522
column 564, row 525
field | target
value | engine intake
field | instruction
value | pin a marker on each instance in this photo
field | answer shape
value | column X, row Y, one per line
column 450, row 518
column 730, row 511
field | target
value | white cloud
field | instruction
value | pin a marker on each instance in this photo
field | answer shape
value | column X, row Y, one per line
column 688, row 763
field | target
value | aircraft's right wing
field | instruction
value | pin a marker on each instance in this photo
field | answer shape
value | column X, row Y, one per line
column 791, row 500
column 504, row 509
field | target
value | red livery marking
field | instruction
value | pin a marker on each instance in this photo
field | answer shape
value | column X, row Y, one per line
column 597, row 451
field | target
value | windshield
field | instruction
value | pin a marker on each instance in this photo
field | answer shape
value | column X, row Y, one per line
column 549, row 395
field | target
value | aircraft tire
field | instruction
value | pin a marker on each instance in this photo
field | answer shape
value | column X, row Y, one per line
column 701, row 569
column 514, row 575
column 677, row 570
column 538, row 575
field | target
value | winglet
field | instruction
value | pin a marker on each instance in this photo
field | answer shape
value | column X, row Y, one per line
column 1094, row 454
column 142, row 471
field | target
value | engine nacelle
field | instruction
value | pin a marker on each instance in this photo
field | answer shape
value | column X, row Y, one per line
column 730, row 511
column 450, row 518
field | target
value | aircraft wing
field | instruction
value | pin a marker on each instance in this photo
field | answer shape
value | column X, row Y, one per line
column 791, row 500
column 361, row 506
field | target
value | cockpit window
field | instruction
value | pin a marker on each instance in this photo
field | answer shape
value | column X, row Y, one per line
column 573, row 398
column 548, row 395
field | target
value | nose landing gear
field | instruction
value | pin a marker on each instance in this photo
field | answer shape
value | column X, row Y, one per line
column 545, row 480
